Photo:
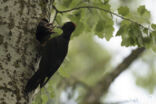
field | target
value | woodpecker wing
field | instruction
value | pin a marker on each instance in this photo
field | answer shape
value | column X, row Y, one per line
column 53, row 55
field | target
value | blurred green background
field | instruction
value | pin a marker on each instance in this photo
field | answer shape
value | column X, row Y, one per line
column 91, row 57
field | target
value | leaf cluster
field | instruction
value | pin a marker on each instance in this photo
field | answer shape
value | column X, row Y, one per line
column 134, row 26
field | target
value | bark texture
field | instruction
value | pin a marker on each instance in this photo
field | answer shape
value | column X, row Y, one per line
column 18, row 46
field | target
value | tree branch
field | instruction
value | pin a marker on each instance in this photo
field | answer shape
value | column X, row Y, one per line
column 122, row 102
column 98, row 8
column 93, row 96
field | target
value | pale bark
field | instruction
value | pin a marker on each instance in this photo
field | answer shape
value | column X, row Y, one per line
column 18, row 46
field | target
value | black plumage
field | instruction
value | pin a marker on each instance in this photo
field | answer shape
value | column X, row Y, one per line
column 44, row 30
column 53, row 54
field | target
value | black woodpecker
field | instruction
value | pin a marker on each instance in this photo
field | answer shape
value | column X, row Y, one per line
column 54, row 52
column 44, row 30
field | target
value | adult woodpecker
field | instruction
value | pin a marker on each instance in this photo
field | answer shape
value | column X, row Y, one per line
column 53, row 54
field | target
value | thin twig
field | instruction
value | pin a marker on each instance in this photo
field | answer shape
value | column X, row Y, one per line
column 56, row 12
column 105, row 10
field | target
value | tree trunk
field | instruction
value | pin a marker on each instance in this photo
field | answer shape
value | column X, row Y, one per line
column 18, row 46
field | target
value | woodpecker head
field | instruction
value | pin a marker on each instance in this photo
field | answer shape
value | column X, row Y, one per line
column 68, row 28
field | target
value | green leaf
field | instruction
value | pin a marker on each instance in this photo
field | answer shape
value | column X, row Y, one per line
column 141, row 10
column 59, row 19
column 153, row 35
column 144, row 15
column 100, row 26
column 145, row 30
column 75, row 3
column 147, row 42
column 104, row 6
column 104, row 28
column 153, row 26
column 123, row 11
column 123, row 28
column 77, row 16
column 109, row 29
column 131, row 34
column 66, row 3
column 136, row 34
